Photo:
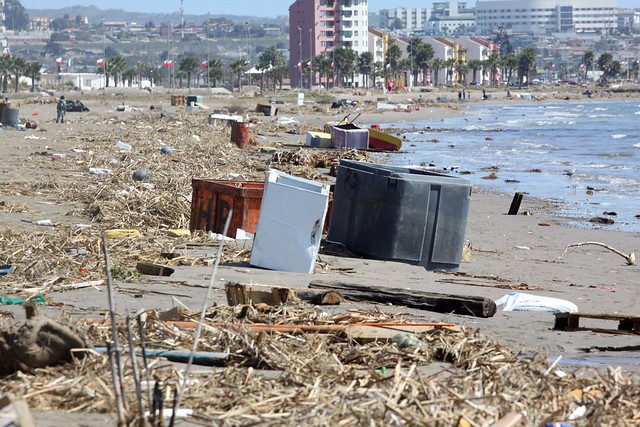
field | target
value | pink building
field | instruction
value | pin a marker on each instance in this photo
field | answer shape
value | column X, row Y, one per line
column 316, row 27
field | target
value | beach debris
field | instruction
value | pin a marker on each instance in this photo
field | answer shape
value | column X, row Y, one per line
column 601, row 220
column 515, row 204
column 518, row 301
column 243, row 294
column 151, row 269
column 430, row 301
column 15, row 412
column 492, row 175
column 140, row 175
column 611, row 213
column 629, row 258
column 571, row 322
column 40, row 342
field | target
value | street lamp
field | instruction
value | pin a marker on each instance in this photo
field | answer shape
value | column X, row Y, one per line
column 310, row 56
column 300, row 57
column 248, row 49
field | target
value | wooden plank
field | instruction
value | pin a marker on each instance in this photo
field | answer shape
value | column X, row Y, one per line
column 243, row 294
column 370, row 333
column 430, row 301
column 150, row 269
column 571, row 322
column 509, row 420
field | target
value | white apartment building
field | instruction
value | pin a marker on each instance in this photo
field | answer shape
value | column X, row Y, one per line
column 413, row 19
column 628, row 18
column 546, row 16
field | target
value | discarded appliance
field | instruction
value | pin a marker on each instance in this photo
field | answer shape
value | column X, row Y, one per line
column 289, row 228
column 212, row 200
column 400, row 213
column 318, row 139
column 240, row 134
column 264, row 109
column 227, row 119
column 10, row 116
column 349, row 136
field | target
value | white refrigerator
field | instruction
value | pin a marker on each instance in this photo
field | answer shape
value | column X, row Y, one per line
column 289, row 230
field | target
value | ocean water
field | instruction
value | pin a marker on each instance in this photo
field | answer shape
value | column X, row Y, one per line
column 557, row 151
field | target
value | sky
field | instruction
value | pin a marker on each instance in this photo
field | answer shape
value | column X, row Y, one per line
column 269, row 8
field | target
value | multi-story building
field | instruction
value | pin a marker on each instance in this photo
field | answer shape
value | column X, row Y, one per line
column 412, row 18
column 3, row 29
column 317, row 27
column 546, row 16
column 628, row 18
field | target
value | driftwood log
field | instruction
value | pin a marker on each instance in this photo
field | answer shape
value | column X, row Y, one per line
column 630, row 258
column 430, row 301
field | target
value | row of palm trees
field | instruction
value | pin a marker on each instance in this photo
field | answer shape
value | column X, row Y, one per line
column 12, row 68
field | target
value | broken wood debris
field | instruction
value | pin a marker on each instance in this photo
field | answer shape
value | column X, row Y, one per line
column 630, row 258
column 242, row 294
column 430, row 301
column 571, row 322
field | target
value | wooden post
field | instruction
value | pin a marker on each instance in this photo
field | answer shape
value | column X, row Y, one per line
column 515, row 204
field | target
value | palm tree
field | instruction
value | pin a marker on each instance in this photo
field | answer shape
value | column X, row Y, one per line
column 393, row 55
column 19, row 68
column 128, row 74
column 475, row 65
column 587, row 60
column 6, row 66
column 214, row 72
column 365, row 66
column 509, row 63
column 344, row 62
column 493, row 63
column 461, row 72
column 526, row 65
column 423, row 58
column 437, row 64
column 449, row 65
column 237, row 67
column 189, row 65
column 32, row 70
column 605, row 64
column 412, row 49
column 115, row 66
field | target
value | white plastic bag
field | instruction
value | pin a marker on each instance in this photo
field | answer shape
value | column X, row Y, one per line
column 518, row 301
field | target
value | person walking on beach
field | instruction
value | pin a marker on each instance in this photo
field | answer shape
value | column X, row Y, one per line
column 61, row 108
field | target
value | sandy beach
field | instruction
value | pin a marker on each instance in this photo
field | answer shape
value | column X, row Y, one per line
column 44, row 178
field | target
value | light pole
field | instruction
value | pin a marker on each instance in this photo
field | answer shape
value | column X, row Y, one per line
column 310, row 56
column 104, row 53
column 300, row 57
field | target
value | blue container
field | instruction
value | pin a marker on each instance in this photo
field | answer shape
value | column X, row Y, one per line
column 400, row 213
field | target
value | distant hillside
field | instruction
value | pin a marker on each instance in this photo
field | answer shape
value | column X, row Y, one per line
column 96, row 15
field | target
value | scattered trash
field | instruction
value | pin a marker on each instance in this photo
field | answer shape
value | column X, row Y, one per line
column 518, row 301
column 166, row 150
column 123, row 147
column 99, row 171
column 140, row 175
column 408, row 341
column 38, row 299
column 6, row 269
column 121, row 233
column 44, row 223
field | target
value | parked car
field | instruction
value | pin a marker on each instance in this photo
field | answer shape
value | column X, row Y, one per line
column 76, row 106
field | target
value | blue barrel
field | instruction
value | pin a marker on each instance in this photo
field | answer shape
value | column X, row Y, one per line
column 10, row 116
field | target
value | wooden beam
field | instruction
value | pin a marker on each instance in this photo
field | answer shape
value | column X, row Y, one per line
column 242, row 294
column 430, row 301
